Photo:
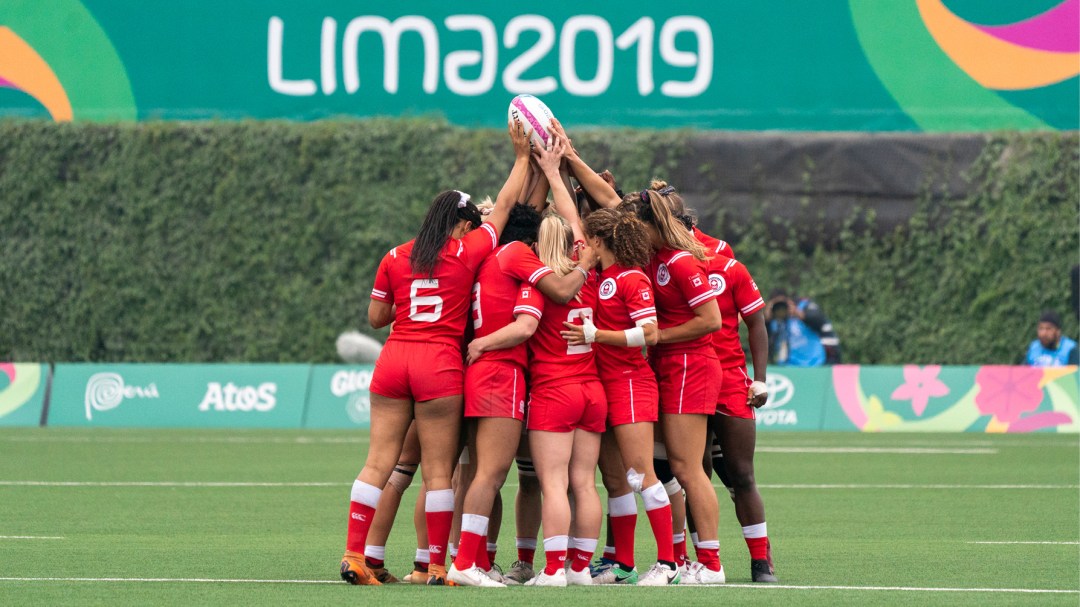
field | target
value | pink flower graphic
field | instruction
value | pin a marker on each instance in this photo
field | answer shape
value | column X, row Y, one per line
column 920, row 383
column 1008, row 392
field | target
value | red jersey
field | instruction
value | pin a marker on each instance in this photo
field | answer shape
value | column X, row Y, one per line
column 624, row 299
column 551, row 359
column 505, row 288
column 714, row 246
column 433, row 309
column 737, row 295
column 680, row 284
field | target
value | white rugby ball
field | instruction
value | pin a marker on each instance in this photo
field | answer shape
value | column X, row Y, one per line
column 533, row 114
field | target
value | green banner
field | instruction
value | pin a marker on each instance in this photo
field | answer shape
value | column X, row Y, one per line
column 932, row 398
column 338, row 397
column 796, row 399
column 851, row 65
column 191, row 396
column 22, row 393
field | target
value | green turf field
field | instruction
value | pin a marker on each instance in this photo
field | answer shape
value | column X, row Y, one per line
column 125, row 517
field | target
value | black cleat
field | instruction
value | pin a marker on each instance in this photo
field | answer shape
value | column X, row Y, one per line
column 761, row 572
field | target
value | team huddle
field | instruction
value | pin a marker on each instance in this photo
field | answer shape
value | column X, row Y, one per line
column 597, row 330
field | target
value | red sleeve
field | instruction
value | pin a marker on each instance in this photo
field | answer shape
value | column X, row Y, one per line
column 714, row 246
column 744, row 290
column 637, row 294
column 478, row 243
column 529, row 301
column 382, row 291
column 688, row 275
column 519, row 261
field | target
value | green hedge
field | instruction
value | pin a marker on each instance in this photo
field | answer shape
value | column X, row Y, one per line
column 259, row 241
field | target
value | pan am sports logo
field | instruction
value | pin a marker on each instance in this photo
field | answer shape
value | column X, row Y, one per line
column 23, row 382
column 67, row 65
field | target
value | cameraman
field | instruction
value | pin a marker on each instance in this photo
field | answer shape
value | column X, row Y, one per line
column 800, row 335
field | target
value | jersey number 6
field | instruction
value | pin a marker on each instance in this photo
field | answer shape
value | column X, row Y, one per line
column 415, row 301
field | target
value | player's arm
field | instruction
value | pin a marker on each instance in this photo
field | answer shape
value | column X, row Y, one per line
column 598, row 189
column 562, row 289
column 550, row 160
column 706, row 320
column 380, row 313
column 510, row 191
column 759, row 352
column 645, row 334
column 536, row 191
column 515, row 333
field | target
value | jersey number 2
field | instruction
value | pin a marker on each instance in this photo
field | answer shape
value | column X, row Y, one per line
column 574, row 314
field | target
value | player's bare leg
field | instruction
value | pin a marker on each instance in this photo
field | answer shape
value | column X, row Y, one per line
column 737, row 438
column 389, row 503
column 422, row 559
column 526, row 515
column 587, row 511
column 461, row 480
column 675, row 494
column 438, row 423
column 496, row 443
column 622, row 513
column 551, row 456
column 636, row 450
column 685, row 438
column 390, row 419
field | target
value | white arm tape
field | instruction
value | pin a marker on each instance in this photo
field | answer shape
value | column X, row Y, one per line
column 635, row 336
column 758, row 388
column 590, row 330
column 646, row 321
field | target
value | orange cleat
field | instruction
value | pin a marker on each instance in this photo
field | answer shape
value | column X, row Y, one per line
column 437, row 576
column 356, row 572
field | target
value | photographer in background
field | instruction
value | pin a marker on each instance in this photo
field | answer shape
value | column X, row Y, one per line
column 800, row 335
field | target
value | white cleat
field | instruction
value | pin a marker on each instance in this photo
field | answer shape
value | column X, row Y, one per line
column 519, row 573
column 660, row 575
column 556, row 580
column 703, row 576
column 473, row 576
column 578, row 578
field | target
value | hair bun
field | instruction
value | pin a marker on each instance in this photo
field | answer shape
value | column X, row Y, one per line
column 657, row 184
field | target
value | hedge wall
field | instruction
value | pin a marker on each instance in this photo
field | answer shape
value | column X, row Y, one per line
column 259, row 241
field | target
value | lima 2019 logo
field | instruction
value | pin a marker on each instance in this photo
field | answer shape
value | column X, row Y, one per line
column 928, row 56
column 65, row 64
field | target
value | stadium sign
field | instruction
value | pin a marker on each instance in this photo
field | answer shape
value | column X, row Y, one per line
column 339, row 397
column 159, row 395
column 870, row 65
column 796, row 399
column 22, row 393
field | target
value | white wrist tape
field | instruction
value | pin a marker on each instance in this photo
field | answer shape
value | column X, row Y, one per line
column 635, row 336
column 758, row 388
column 590, row 330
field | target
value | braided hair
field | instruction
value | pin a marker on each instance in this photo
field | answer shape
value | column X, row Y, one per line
column 446, row 211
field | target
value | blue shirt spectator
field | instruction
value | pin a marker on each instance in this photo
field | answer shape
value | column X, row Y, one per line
column 799, row 333
column 1051, row 349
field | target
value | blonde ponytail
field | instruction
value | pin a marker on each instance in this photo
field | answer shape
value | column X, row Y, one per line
column 555, row 243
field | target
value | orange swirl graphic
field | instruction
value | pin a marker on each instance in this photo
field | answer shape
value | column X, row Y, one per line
column 25, row 70
column 991, row 61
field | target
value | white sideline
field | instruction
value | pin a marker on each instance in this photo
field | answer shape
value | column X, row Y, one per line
column 900, row 450
column 242, row 484
column 30, row 537
column 756, row 586
column 1039, row 543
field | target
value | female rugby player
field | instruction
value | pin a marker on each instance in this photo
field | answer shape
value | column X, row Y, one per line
column 685, row 362
column 423, row 286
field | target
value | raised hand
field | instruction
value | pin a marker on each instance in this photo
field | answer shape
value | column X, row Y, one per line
column 519, row 137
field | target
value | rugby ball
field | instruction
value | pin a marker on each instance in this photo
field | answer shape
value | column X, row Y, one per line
column 533, row 114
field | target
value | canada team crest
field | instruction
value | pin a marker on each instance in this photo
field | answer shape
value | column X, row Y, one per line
column 607, row 288
column 662, row 275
